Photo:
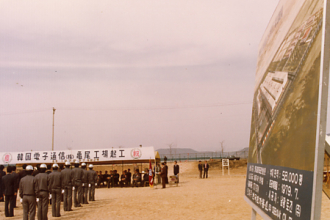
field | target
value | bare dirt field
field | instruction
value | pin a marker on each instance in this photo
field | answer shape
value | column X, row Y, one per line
column 218, row 197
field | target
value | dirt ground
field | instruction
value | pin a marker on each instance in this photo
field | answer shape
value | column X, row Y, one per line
column 218, row 197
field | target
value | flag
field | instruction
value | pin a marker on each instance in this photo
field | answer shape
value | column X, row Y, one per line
column 151, row 181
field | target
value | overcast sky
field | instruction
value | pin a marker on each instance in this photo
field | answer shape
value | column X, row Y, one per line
column 125, row 73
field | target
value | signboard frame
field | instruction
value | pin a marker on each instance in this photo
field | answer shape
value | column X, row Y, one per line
column 320, row 127
column 225, row 163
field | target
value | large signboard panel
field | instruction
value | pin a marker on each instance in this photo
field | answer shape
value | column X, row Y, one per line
column 284, row 125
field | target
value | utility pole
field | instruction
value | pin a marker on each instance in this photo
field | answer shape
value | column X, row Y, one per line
column 53, row 129
column 222, row 147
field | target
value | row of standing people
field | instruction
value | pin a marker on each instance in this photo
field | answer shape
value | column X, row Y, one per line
column 203, row 167
column 125, row 179
column 162, row 172
column 39, row 189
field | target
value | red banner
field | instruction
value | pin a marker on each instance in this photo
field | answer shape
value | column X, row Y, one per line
column 151, row 181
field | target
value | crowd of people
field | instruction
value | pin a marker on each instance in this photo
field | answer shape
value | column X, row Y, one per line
column 136, row 179
column 75, row 185
column 38, row 188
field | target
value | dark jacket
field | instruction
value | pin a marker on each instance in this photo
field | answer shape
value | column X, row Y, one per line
column 55, row 181
column 16, row 175
column 2, row 173
column 207, row 167
column 176, row 169
column 77, row 174
column 164, row 172
column 137, row 177
column 28, row 186
column 43, row 181
column 200, row 167
column 9, row 184
column 84, row 177
column 129, row 176
column 92, row 176
column 146, row 177
column 66, row 177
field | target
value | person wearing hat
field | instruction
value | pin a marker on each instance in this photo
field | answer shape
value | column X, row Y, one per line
column 66, row 176
column 9, row 187
column 55, row 190
column 42, row 179
column 92, row 182
column 28, row 190
column 77, row 175
column 84, row 183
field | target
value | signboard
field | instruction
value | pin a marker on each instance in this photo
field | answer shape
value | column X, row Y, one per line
column 225, row 163
column 88, row 155
column 284, row 175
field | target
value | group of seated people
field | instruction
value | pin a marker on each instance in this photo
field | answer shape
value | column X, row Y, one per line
column 113, row 179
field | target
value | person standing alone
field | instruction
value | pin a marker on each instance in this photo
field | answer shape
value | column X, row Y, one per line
column 176, row 170
column 206, row 169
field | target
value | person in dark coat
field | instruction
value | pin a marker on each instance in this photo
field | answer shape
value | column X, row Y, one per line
column 166, row 179
column 200, row 168
column 146, row 177
column 136, row 178
column 163, row 174
column 28, row 191
column 66, row 177
column 129, row 177
column 206, row 167
column 9, row 185
column 84, row 181
column 123, row 178
column 116, row 178
column 77, row 175
column 16, row 175
column 22, row 173
column 92, row 182
column 176, row 170
column 55, row 185
column 2, row 173
column 42, row 181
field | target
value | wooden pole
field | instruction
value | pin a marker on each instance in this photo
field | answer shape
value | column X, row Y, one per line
column 53, row 129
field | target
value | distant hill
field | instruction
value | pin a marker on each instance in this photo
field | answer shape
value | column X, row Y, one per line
column 177, row 151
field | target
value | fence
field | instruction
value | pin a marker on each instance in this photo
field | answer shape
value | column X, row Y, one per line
column 205, row 156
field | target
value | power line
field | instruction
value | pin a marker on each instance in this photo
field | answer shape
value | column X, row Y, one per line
column 132, row 108
column 159, row 108
column 25, row 112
